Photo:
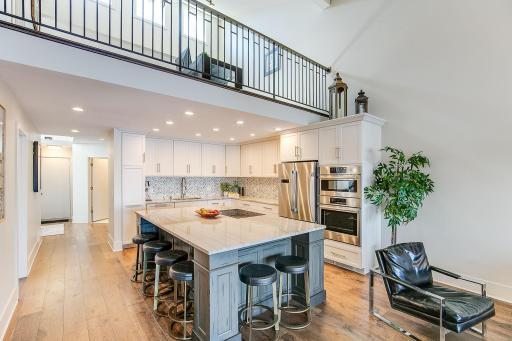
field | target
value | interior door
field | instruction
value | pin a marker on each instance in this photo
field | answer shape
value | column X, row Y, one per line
column 99, row 189
column 55, row 188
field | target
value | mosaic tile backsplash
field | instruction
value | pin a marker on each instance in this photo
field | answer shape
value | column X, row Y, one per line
column 163, row 187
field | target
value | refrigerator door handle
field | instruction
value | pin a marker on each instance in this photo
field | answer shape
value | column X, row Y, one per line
column 312, row 191
column 294, row 191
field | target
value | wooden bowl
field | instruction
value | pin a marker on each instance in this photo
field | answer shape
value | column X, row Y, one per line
column 209, row 214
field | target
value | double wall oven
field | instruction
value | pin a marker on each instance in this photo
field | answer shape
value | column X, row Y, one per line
column 340, row 202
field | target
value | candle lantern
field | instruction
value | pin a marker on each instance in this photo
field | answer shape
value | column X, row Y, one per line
column 336, row 90
column 361, row 103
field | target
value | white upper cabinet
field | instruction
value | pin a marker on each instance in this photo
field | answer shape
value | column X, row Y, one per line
column 302, row 146
column 133, row 149
column 187, row 158
column 288, row 147
column 232, row 161
column 270, row 158
column 340, row 144
column 213, row 160
column 308, row 145
column 251, row 159
column 329, row 141
column 159, row 158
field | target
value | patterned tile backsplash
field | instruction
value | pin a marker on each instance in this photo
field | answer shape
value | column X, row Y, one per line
column 163, row 187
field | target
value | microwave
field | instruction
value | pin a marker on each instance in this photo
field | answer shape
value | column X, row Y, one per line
column 340, row 181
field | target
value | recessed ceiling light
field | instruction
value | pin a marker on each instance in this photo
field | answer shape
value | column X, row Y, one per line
column 156, row 129
column 75, row 131
column 231, row 138
column 253, row 134
column 77, row 109
column 277, row 129
column 215, row 129
column 101, row 139
column 198, row 134
column 169, row 122
column 189, row 113
column 239, row 122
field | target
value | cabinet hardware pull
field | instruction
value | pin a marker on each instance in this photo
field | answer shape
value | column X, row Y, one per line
column 213, row 169
column 144, row 157
column 275, row 168
column 338, row 255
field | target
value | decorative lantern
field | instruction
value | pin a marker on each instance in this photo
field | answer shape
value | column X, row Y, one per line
column 335, row 91
column 361, row 103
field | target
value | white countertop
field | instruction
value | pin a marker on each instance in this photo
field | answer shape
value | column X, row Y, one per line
column 223, row 233
column 245, row 198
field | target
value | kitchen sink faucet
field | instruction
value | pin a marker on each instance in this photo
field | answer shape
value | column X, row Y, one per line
column 183, row 187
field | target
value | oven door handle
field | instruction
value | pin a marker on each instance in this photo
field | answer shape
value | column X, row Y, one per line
column 340, row 208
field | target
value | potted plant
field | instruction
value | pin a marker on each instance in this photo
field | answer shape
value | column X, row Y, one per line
column 399, row 187
column 225, row 188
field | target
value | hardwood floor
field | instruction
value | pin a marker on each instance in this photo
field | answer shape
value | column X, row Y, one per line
column 80, row 290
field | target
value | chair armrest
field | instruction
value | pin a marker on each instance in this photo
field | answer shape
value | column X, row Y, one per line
column 456, row 276
column 409, row 286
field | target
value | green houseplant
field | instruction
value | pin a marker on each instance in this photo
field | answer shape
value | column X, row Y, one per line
column 225, row 188
column 399, row 187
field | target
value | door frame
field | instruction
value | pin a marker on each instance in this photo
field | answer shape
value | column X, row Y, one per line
column 22, row 201
column 90, row 187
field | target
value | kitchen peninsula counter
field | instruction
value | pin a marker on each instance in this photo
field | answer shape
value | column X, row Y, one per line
column 220, row 246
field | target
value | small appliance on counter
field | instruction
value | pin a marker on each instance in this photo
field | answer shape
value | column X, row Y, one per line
column 298, row 183
column 340, row 202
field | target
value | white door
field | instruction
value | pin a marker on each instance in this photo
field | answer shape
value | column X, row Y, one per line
column 99, row 189
column 255, row 159
column 55, row 188
column 165, row 157
column 232, row 160
column 329, row 145
column 270, row 158
column 180, row 163
column 245, row 157
column 194, row 157
column 308, row 145
column 288, row 147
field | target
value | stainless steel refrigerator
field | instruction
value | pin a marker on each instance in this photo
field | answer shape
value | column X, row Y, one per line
column 298, row 196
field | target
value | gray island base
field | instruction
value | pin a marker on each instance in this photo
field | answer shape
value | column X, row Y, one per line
column 220, row 247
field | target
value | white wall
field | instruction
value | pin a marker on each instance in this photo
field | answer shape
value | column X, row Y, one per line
column 440, row 73
column 81, row 152
column 9, row 227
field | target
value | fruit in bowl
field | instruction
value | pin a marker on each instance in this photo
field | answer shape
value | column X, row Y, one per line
column 206, row 213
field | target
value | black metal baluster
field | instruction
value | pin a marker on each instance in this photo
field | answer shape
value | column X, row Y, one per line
column 133, row 5
column 71, row 16
column 162, row 9
column 85, row 5
column 109, row 21
column 170, row 40
column 179, row 32
column 55, row 9
column 143, row 24
column 23, row 8
column 152, row 28
column 121, row 26
column 97, row 20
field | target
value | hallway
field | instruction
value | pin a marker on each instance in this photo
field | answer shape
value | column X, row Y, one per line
column 80, row 290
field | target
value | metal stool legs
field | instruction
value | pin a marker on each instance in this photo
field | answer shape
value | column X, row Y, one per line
column 137, row 266
column 188, row 315
column 250, row 321
column 294, row 309
column 145, row 271
column 157, row 295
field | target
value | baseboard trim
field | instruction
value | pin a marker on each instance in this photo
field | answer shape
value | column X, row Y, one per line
column 116, row 246
column 33, row 254
column 52, row 230
column 8, row 312
column 498, row 291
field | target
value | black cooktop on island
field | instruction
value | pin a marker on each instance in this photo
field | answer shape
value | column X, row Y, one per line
column 238, row 213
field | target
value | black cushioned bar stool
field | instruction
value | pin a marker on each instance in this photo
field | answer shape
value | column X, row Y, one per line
column 257, row 275
column 165, row 258
column 182, row 274
column 293, row 265
column 150, row 249
column 139, row 240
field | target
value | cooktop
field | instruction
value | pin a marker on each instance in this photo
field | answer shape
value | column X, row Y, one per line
column 238, row 213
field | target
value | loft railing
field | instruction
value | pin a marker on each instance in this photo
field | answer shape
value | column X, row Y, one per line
column 180, row 36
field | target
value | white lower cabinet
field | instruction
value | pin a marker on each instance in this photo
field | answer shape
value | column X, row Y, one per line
column 133, row 185
column 342, row 253
column 130, row 223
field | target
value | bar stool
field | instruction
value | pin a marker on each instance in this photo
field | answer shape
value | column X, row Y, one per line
column 165, row 258
column 150, row 249
column 139, row 240
column 294, row 265
column 182, row 273
column 257, row 275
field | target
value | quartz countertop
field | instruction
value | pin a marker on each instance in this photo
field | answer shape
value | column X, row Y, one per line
column 245, row 198
column 220, row 234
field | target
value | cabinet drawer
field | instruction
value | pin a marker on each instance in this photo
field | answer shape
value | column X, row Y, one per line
column 216, row 203
column 343, row 256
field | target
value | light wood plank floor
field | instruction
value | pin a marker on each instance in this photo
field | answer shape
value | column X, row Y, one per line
column 80, row 290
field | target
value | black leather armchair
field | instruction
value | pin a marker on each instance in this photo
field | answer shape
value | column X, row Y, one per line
column 409, row 284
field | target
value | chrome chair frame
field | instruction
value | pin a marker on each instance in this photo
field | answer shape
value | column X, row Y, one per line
column 442, row 331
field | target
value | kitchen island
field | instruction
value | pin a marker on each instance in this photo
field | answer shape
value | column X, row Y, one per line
column 220, row 246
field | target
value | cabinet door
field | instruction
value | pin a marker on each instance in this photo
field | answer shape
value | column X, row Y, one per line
column 351, row 143
column 270, row 158
column 308, row 145
column 180, row 163
column 245, row 150
column 213, row 160
column 165, row 159
column 194, row 159
column 255, row 159
column 232, row 160
column 329, row 145
column 133, row 149
column 219, row 162
column 207, row 159
column 151, row 162
column 133, row 185
column 288, row 147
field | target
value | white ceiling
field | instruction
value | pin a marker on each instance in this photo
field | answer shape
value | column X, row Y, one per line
column 47, row 97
